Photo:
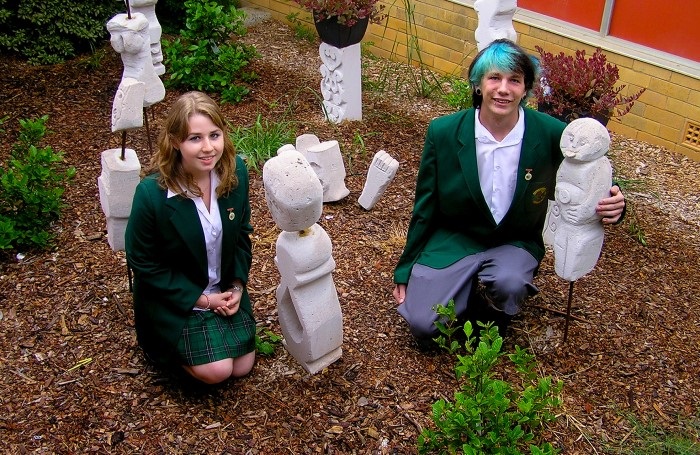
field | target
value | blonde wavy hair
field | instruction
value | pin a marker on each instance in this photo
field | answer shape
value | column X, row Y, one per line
column 167, row 161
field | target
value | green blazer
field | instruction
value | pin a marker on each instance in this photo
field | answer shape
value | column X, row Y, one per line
column 166, row 251
column 451, row 219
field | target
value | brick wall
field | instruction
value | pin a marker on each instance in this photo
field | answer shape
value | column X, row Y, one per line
column 667, row 114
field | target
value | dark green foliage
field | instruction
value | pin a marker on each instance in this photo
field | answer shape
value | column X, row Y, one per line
column 266, row 342
column 171, row 13
column 32, row 183
column 489, row 415
column 204, row 57
column 51, row 31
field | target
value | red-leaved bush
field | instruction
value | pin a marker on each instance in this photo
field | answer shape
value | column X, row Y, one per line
column 347, row 11
column 576, row 86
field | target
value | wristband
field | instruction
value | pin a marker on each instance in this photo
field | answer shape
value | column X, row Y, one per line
column 208, row 302
column 236, row 287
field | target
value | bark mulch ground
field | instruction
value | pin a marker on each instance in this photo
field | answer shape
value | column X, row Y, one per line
column 631, row 355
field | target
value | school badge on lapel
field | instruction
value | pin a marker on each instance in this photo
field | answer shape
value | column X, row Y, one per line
column 539, row 195
column 231, row 215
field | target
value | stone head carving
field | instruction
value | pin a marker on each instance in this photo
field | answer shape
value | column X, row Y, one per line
column 584, row 139
column 293, row 192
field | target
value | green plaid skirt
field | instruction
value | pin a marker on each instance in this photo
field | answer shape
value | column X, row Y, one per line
column 208, row 337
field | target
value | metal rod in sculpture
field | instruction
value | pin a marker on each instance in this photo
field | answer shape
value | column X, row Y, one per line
column 341, row 82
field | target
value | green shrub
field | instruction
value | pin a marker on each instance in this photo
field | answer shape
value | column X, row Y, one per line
column 460, row 94
column 259, row 142
column 488, row 415
column 32, row 183
column 204, row 58
column 266, row 341
column 51, row 31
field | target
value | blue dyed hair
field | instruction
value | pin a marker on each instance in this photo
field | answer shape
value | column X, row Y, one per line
column 507, row 57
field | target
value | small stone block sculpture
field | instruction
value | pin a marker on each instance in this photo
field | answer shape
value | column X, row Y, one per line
column 379, row 175
column 117, row 185
column 341, row 82
column 127, row 108
column 573, row 227
column 307, row 301
column 327, row 161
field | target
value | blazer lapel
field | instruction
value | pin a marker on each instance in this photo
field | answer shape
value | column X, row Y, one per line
column 185, row 220
column 467, row 161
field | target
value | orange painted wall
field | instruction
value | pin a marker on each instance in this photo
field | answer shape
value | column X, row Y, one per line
column 586, row 13
column 670, row 26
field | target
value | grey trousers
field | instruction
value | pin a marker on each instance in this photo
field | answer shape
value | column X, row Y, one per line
column 506, row 272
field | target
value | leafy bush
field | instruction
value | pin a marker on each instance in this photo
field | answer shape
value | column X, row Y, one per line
column 259, row 142
column 460, row 94
column 203, row 58
column 51, row 31
column 266, row 341
column 32, row 185
column 488, row 415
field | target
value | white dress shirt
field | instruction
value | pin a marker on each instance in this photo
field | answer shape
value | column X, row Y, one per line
column 497, row 164
column 212, row 228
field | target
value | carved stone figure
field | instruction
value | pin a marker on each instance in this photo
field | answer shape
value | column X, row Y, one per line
column 148, row 9
column 573, row 228
column 341, row 83
column 379, row 175
column 495, row 21
column 307, row 301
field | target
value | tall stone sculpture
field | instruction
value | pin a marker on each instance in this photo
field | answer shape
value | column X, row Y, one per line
column 307, row 301
column 148, row 9
column 573, row 228
column 495, row 21
column 341, row 83
column 130, row 37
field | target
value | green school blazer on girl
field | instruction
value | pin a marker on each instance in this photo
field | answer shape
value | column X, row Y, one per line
column 165, row 248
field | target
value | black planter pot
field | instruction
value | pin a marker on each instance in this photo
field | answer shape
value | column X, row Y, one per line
column 571, row 115
column 340, row 35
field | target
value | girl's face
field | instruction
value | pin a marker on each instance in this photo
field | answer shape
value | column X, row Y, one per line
column 502, row 93
column 203, row 146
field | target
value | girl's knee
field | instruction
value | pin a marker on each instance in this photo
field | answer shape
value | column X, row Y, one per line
column 243, row 364
column 212, row 373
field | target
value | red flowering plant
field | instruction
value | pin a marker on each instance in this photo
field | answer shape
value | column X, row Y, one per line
column 348, row 12
column 576, row 86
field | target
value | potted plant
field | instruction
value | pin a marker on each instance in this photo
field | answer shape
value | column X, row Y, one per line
column 577, row 86
column 342, row 23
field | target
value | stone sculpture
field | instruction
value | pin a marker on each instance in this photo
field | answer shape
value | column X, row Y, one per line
column 495, row 21
column 117, row 185
column 130, row 37
column 573, row 228
column 326, row 160
column 148, row 9
column 380, row 173
column 307, row 301
column 341, row 83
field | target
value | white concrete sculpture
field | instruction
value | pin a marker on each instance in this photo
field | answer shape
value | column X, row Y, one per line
column 127, row 108
column 131, row 39
column 379, row 175
column 341, row 82
column 305, row 141
column 327, row 161
column 148, row 9
column 307, row 301
column 573, row 228
column 117, row 185
column 495, row 21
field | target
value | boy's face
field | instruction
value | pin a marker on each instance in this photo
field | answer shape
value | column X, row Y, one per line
column 502, row 93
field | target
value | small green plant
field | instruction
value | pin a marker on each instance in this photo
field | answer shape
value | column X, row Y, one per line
column 648, row 438
column 300, row 30
column 31, row 189
column 259, row 142
column 490, row 415
column 203, row 56
column 266, row 341
column 459, row 95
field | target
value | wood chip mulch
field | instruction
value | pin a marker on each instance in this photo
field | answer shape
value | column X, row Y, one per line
column 72, row 379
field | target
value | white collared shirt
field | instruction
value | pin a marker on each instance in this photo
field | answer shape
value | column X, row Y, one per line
column 212, row 228
column 497, row 164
